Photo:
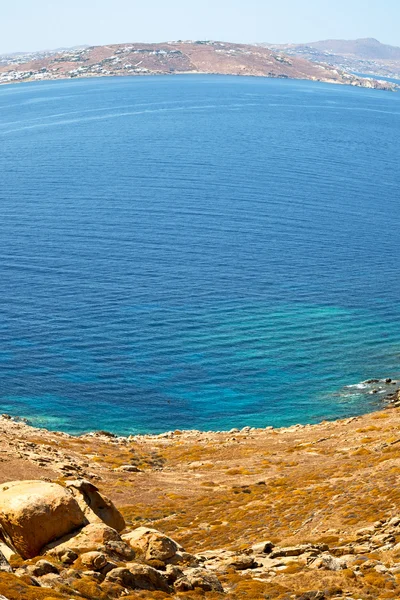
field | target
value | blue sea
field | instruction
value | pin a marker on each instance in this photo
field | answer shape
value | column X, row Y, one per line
column 196, row 252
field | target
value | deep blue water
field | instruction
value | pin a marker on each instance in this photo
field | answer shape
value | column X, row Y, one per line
column 196, row 251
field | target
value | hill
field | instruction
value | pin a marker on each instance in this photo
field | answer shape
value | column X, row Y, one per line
column 366, row 55
column 366, row 48
column 171, row 58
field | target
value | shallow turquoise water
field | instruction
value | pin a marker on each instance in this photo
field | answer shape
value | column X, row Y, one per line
column 196, row 251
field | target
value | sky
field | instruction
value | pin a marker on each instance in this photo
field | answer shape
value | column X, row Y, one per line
column 48, row 24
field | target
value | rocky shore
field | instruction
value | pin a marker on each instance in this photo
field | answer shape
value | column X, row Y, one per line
column 307, row 512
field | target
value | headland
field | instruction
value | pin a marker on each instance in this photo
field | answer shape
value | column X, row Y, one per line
column 172, row 58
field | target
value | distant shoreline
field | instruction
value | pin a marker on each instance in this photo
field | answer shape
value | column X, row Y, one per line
column 390, row 88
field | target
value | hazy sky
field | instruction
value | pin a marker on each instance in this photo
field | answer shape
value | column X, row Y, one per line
column 42, row 24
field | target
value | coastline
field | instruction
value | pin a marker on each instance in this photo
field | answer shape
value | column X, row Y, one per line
column 386, row 391
column 306, row 488
column 359, row 82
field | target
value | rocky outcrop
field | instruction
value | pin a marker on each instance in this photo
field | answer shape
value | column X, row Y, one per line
column 96, row 507
column 34, row 513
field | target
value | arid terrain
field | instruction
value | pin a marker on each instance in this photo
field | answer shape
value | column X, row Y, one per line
column 172, row 58
column 309, row 512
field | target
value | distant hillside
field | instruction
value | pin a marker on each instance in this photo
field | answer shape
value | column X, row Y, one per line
column 366, row 55
column 171, row 58
column 367, row 48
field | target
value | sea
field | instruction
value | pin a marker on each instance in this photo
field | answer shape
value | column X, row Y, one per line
column 197, row 252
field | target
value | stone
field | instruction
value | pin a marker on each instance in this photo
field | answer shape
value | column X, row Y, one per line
column 328, row 563
column 262, row 548
column 4, row 564
column 120, row 550
column 51, row 580
column 41, row 568
column 93, row 560
column 34, row 513
column 95, row 507
column 240, row 562
column 297, row 550
column 6, row 551
column 183, row 558
column 93, row 537
column 136, row 576
column 152, row 544
column 173, row 573
column 198, row 578
column 128, row 469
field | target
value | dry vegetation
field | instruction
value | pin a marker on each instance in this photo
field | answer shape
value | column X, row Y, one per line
column 317, row 484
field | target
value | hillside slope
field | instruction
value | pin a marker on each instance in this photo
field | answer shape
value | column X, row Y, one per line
column 366, row 55
column 172, row 58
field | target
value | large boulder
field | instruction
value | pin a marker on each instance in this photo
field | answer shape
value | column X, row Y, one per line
column 96, row 508
column 34, row 513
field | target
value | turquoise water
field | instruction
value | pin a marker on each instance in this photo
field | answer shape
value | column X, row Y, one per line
column 196, row 251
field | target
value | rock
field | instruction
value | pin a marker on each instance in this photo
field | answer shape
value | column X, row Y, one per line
column 361, row 549
column 152, row 544
column 198, row 578
column 173, row 573
column 382, row 538
column 240, row 562
column 94, row 560
column 41, row 568
column 4, row 564
column 312, row 596
column 51, row 580
column 68, row 557
column 128, row 469
column 136, row 576
column 34, row 513
column 93, row 537
column 328, row 562
column 5, row 550
column 183, row 558
column 297, row 550
column 262, row 548
column 120, row 550
column 365, row 533
column 95, row 507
